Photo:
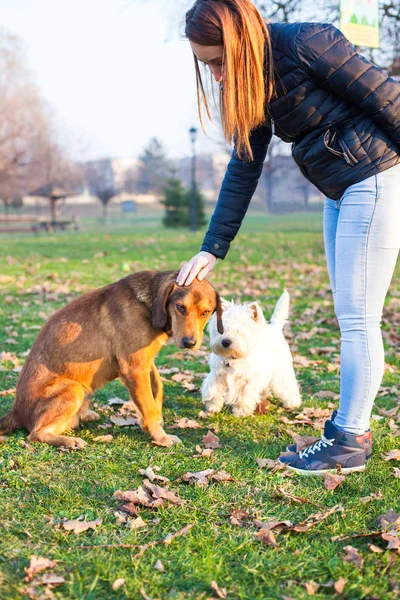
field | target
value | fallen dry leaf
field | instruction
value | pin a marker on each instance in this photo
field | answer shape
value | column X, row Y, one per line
column 186, row 423
column 136, row 523
column 339, row 585
column 221, row 592
column 150, row 474
column 210, row 440
column 353, row 556
column 203, row 452
column 122, row 517
column 124, row 422
column 266, row 463
column 389, row 519
column 115, row 401
column 273, row 524
column 51, row 579
column 267, row 537
column 374, row 496
column 130, row 508
column 263, row 407
column 38, row 564
column 327, row 394
column 391, row 455
column 312, row 587
column 238, row 516
column 396, row 472
column 150, row 495
column 201, row 478
column 78, row 526
column 104, row 438
column 185, row 379
column 222, row 476
column 393, row 540
column 118, row 583
column 159, row 566
column 331, row 480
column 375, row 549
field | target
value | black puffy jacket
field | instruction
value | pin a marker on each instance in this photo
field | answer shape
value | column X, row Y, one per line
column 340, row 113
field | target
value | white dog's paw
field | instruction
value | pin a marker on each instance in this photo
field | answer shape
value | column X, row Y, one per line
column 213, row 406
column 293, row 402
column 242, row 411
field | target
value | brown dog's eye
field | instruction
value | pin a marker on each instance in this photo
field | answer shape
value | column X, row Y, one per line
column 206, row 313
column 180, row 308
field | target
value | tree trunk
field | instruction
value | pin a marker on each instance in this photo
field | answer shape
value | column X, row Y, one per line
column 53, row 208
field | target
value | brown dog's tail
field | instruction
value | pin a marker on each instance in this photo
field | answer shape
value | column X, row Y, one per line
column 8, row 423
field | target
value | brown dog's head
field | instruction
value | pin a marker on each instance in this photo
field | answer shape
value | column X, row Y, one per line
column 183, row 311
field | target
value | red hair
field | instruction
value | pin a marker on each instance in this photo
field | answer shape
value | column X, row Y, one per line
column 247, row 64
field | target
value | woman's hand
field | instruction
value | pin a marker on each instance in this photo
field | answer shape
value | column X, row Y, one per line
column 198, row 266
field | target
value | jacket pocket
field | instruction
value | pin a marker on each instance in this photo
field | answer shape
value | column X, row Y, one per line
column 335, row 144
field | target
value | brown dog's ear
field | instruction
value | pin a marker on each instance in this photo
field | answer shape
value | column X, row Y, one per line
column 160, row 301
column 220, row 326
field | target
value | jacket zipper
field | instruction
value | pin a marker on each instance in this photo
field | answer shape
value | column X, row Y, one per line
column 346, row 154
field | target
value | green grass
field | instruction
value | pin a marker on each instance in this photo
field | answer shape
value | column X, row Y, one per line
column 40, row 482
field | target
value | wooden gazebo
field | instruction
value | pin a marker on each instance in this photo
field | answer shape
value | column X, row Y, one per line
column 54, row 191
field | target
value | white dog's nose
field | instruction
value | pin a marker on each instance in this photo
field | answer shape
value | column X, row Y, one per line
column 226, row 343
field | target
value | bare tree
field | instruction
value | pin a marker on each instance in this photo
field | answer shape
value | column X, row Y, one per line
column 24, row 125
column 99, row 176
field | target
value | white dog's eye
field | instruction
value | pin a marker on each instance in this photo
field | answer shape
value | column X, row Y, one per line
column 180, row 308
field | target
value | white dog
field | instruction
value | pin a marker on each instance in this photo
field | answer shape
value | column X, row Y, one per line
column 250, row 360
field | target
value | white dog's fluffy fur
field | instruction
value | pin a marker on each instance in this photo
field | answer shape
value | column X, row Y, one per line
column 250, row 360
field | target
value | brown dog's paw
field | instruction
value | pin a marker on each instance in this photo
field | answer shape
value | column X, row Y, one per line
column 90, row 415
column 167, row 440
column 73, row 442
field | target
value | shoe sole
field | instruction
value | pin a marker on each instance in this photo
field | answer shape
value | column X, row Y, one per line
column 345, row 471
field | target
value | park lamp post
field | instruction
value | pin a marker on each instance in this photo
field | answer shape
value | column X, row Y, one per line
column 193, row 207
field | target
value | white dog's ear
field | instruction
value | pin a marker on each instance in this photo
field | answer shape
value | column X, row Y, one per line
column 256, row 311
column 224, row 303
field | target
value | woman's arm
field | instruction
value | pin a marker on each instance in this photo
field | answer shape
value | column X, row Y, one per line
column 237, row 189
column 335, row 64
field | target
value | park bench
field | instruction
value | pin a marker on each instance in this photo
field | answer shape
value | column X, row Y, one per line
column 23, row 224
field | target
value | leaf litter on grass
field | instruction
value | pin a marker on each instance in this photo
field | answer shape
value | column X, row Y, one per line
column 203, row 478
column 149, row 495
column 79, row 526
column 210, row 440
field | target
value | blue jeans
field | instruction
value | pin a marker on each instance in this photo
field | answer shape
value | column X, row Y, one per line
column 362, row 240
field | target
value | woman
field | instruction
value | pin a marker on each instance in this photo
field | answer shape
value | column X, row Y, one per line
column 305, row 83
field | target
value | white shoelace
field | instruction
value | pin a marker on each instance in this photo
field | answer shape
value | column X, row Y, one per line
column 316, row 447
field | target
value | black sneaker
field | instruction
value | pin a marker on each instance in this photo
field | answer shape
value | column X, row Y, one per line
column 367, row 440
column 293, row 447
column 336, row 449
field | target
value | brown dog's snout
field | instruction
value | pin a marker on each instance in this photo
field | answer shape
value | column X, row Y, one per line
column 189, row 342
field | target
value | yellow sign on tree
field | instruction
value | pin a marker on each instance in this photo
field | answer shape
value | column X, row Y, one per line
column 359, row 21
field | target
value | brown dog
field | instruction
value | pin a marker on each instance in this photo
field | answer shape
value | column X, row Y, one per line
column 115, row 331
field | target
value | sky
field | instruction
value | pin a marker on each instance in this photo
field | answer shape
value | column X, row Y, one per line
column 116, row 72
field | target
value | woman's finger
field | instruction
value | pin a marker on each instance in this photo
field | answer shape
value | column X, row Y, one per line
column 204, row 272
column 196, row 267
column 183, row 273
